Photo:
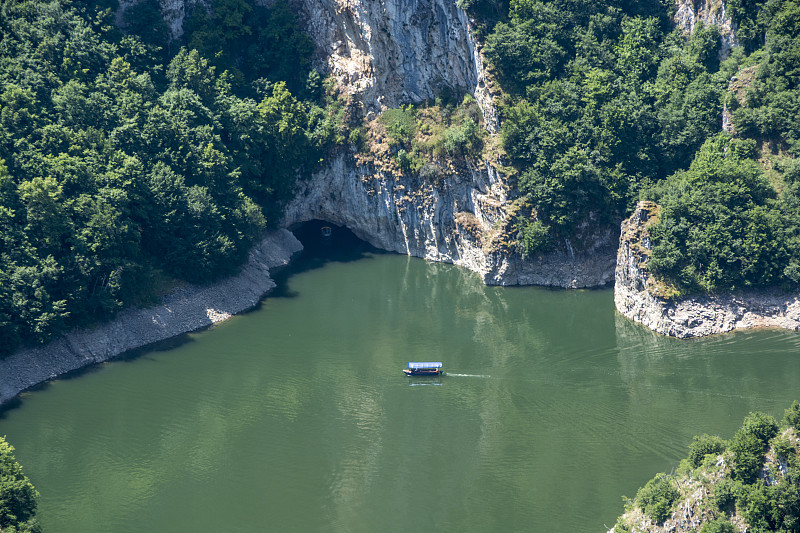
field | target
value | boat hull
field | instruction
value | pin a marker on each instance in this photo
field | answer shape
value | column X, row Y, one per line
column 420, row 372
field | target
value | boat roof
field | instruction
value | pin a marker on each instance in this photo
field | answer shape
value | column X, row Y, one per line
column 424, row 365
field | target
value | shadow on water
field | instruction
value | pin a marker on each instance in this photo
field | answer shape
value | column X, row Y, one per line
column 320, row 249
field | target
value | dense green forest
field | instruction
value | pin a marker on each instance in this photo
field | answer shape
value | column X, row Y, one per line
column 128, row 162
column 606, row 103
column 758, row 479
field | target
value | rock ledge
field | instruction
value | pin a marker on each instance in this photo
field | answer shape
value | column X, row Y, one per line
column 693, row 316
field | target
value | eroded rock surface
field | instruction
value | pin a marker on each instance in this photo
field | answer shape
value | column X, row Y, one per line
column 453, row 222
column 693, row 316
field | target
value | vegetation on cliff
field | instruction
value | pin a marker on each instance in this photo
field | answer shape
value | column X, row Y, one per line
column 723, row 225
column 607, row 102
column 750, row 483
column 127, row 162
column 18, row 497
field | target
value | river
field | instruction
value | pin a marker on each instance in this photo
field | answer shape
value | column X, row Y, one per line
column 296, row 417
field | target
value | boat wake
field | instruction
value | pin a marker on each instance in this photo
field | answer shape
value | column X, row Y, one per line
column 469, row 375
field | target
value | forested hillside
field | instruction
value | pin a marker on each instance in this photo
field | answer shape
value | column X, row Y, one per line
column 607, row 102
column 128, row 162
column 131, row 162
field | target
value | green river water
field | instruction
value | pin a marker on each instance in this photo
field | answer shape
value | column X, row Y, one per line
column 296, row 417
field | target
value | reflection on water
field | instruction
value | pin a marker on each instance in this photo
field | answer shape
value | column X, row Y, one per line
column 297, row 417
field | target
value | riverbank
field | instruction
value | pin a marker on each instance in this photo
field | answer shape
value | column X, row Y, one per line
column 186, row 309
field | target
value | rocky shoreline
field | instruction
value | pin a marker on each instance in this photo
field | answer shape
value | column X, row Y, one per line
column 693, row 316
column 186, row 309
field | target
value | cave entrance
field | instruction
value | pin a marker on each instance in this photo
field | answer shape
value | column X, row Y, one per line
column 322, row 245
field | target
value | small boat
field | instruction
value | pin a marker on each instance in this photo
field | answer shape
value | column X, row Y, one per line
column 423, row 369
column 325, row 231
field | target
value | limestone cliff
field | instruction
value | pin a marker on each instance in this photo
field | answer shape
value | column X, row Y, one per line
column 454, row 222
column 710, row 13
column 692, row 316
column 398, row 51
column 405, row 51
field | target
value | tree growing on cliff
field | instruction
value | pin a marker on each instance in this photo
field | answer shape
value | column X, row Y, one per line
column 18, row 497
column 658, row 497
column 745, row 489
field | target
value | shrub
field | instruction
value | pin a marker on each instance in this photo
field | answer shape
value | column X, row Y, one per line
column 619, row 527
column 535, row 237
column 704, row 445
column 465, row 138
column 792, row 415
column 748, row 456
column 658, row 497
column 400, row 125
column 762, row 426
column 725, row 494
column 784, row 448
column 720, row 525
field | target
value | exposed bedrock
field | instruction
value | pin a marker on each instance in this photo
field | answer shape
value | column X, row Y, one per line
column 453, row 222
column 693, row 316
column 711, row 13
column 398, row 51
column 385, row 54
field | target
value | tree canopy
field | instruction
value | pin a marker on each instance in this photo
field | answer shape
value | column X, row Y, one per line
column 127, row 161
column 607, row 102
column 18, row 497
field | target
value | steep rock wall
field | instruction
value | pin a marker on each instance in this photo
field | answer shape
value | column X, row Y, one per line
column 451, row 222
column 186, row 309
column 710, row 13
column 695, row 316
column 404, row 51
column 398, row 51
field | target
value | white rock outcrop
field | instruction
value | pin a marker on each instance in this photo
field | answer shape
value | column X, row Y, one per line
column 450, row 222
column 186, row 309
column 710, row 13
column 695, row 316
column 396, row 52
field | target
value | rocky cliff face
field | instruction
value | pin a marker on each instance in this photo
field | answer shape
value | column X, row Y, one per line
column 455, row 221
column 405, row 51
column 398, row 51
column 710, row 13
column 695, row 316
